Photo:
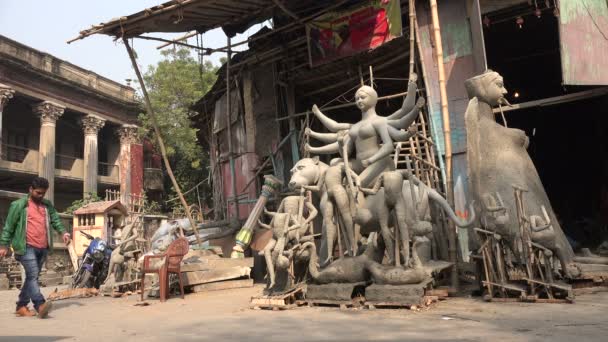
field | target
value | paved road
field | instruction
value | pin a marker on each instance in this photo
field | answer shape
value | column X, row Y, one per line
column 224, row 316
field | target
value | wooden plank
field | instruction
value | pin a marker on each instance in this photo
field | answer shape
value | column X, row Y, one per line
column 73, row 256
column 413, row 305
column 223, row 285
column 202, row 277
column 206, row 264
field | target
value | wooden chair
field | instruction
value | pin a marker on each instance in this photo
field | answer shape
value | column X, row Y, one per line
column 171, row 264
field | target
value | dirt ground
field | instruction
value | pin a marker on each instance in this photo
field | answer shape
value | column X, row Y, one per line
column 224, row 316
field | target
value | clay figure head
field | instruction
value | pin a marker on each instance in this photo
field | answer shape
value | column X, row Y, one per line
column 366, row 98
column 305, row 172
column 488, row 87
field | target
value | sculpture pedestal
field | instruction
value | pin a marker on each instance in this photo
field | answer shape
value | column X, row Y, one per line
column 401, row 294
column 334, row 292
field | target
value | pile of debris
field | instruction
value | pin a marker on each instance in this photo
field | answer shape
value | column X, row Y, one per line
column 204, row 270
column 10, row 273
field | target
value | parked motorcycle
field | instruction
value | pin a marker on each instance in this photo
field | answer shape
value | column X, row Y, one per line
column 93, row 269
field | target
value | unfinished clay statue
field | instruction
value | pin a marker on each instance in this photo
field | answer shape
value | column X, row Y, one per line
column 281, row 225
column 373, row 211
column 289, row 228
column 498, row 160
column 371, row 139
column 390, row 208
column 122, row 253
column 330, row 183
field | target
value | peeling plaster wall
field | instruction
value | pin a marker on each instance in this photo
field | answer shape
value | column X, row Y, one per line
column 584, row 41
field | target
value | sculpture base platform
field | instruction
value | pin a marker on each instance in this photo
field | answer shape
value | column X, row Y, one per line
column 335, row 292
column 593, row 271
column 411, row 294
column 278, row 302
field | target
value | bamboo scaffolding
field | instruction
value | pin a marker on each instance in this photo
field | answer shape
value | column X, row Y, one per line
column 445, row 114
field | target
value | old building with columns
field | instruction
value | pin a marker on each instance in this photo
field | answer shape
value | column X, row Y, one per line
column 67, row 124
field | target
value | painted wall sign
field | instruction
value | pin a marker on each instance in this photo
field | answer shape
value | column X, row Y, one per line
column 345, row 33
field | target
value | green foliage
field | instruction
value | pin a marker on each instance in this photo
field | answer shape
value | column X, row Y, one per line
column 174, row 85
column 77, row 204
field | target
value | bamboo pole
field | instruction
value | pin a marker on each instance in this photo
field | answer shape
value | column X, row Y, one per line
column 412, row 35
column 161, row 143
column 229, row 128
column 430, row 107
column 445, row 114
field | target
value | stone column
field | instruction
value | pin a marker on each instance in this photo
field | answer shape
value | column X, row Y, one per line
column 91, row 125
column 6, row 93
column 128, row 137
column 48, row 112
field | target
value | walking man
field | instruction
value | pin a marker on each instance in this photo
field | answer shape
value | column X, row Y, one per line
column 28, row 229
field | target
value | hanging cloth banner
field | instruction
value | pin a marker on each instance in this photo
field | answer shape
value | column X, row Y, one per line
column 345, row 33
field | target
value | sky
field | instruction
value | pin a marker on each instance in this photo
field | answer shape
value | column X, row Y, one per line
column 46, row 25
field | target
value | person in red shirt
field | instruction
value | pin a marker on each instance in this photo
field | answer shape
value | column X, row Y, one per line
column 28, row 230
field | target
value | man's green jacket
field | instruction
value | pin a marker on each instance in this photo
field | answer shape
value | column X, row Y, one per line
column 15, row 227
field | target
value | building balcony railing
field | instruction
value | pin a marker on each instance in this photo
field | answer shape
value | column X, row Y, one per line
column 108, row 170
column 22, row 159
column 64, row 162
column 13, row 153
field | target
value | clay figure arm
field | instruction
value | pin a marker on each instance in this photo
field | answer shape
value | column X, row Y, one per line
column 409, row 100
column 373, row 190
column 331, row 124
column 294, row 227
column 387, row 144
column 312, row 213
column 407, row 120
column 318, row 187
column 271, row 213
column 399, row 135
column 264, row 225
column 325, row 149
column 355, row 177
column 324, row 137
column 346, row 145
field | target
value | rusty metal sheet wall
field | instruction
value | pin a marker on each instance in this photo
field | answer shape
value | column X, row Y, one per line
column 583, row 28
column 245, row 166
column 264, row 109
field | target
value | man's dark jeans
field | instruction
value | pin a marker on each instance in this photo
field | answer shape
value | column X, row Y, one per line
column 32, row 262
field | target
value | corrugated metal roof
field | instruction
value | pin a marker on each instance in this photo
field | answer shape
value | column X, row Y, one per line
column 233, row 16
